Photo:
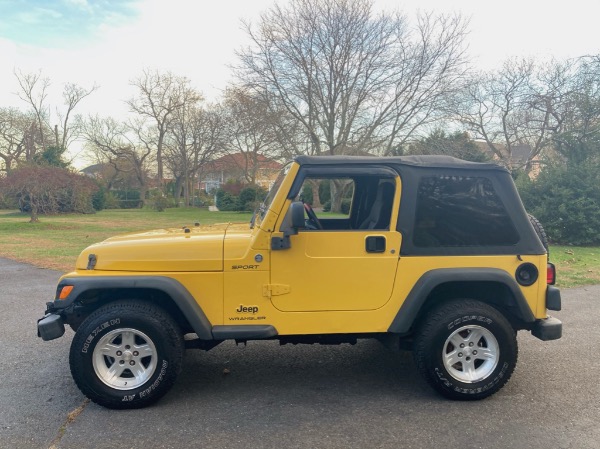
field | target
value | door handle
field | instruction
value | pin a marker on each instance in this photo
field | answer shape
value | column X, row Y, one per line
column 375, row 244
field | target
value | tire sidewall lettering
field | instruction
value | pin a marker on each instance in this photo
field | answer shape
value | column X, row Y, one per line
column 459, row 387
column 90, row 338
column 467, row 318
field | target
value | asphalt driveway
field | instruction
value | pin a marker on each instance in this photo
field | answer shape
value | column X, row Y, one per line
column 297, row 396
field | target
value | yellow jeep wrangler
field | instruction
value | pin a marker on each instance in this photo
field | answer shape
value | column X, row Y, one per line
column 432, row 254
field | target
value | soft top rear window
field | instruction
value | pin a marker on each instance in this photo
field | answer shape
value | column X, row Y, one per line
column 461, row 211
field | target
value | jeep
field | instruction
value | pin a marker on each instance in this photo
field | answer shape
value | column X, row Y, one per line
column 430, row 254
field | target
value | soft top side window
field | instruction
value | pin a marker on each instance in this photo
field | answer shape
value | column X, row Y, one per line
column 460, row 211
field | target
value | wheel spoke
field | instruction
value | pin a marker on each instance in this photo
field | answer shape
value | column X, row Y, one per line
column 139, row 372
column 109, row 349
column 452, row 358
column 128, row 339
column 145, row 350
column 457, row 340
column 469, row 370
column 486, row 354
column 474, row 336
column 114, row 372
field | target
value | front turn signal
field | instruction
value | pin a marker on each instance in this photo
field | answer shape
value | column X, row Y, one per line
column 65, row 292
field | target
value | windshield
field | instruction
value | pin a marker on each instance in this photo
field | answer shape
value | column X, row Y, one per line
column 261, row 210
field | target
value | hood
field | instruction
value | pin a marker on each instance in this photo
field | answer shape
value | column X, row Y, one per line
column 200, row 249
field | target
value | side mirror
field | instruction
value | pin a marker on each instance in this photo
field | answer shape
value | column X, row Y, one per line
column 293, row 220
column 296, row 214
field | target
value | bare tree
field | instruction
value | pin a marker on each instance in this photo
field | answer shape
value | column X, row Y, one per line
column 72, row 96
column 196, row 136
column 121, row 146
column 576, row 136
column 34, row 91
column 519, row 106
column 251, row 130
column 354, row 80
column 158, row 98
column 14, row 128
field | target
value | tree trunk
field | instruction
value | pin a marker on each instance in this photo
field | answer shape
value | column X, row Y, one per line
column 34, row 212
column 143, row 190
column 336, row 195
column 314, row 185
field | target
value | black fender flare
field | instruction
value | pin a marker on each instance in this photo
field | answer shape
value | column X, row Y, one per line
column 417, row 297
column 171, row 287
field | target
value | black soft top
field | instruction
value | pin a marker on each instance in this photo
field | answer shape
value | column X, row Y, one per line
column 414, row 161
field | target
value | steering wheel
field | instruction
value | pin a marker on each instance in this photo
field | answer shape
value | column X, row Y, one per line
column 312, row 217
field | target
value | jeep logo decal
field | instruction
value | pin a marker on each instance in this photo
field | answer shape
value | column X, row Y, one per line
column 246, row 309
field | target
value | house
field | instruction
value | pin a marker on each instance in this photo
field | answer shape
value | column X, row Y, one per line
column 519, row 156
column 239, row 167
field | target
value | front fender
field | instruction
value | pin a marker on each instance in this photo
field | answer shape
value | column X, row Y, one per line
column 171, row 287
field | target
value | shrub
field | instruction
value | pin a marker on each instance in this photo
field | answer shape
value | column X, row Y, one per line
column 128, row 199
column 250, row 197
column 247, row 200
column 226, row 201
column 111, row 201
column 566, row 200
column 42, row 189
column 307, row 194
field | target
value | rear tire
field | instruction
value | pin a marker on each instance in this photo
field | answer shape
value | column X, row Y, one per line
column 126, row 354
column 466, row 350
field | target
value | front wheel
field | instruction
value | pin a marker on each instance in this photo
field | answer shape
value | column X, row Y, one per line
column 466, row 350
column 126, row 354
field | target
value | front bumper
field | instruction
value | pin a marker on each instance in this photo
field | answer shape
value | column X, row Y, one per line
column 547, row 329
column 50, row 327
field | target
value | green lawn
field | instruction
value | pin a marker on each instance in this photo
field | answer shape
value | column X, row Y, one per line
column 575, row 265
column 56, row 241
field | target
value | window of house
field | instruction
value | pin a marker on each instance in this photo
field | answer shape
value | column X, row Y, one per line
column 459, row 211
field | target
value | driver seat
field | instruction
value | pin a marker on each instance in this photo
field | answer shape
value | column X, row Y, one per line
column 379, row 216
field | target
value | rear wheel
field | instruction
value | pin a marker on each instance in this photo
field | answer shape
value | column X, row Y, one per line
column 466, row 350
column 126, row 354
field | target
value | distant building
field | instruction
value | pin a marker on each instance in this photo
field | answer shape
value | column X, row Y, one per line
column 519, row 156
column 238, row 167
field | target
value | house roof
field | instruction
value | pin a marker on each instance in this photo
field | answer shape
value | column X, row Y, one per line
column 235, row 161
column 520, row 152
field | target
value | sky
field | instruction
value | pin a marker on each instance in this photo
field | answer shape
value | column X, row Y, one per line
column 109, row 42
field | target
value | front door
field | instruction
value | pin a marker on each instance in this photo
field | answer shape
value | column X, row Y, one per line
column 329, row 269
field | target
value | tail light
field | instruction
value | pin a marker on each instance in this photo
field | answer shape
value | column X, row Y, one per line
column 551, row 274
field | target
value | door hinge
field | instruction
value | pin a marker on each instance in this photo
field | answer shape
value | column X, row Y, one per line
column 275, row 290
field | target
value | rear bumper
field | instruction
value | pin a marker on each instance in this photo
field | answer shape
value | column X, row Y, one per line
column 50, row 327
column 547, row 329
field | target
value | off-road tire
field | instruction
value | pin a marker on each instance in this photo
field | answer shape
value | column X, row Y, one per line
column 434, row 338
column 539, row 230
column 155, row 334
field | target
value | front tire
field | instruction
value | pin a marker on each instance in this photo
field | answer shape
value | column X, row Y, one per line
column 466, row 350
column 126, row 354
